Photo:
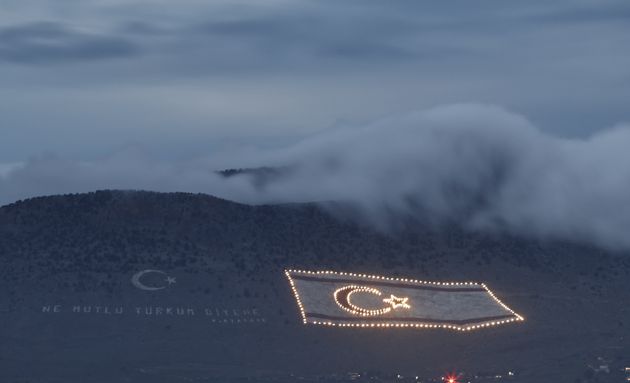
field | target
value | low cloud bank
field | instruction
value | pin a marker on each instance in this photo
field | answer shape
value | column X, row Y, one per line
column 479, row 165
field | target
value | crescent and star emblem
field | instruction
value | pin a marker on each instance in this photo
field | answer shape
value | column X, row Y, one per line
column 136, row 280
column 343, row 299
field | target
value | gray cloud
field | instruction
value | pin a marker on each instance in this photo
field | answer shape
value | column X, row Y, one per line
column 49, row 42
column 198, row 71
column 585, row 14
column 479, row 165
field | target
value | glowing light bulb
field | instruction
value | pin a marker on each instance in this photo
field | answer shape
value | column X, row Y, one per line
column 451, row 378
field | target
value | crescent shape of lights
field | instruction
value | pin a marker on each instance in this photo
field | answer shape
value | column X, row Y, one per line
column 342, row 298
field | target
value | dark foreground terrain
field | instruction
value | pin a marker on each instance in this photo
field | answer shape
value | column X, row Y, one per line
column 69, row 311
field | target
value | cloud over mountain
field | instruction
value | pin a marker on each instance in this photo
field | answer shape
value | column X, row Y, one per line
column 479, row 165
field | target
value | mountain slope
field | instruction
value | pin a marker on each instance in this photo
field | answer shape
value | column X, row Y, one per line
column 81, row 250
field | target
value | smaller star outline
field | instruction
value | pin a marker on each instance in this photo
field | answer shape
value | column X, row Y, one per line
column 170, row 280
column 396, row 302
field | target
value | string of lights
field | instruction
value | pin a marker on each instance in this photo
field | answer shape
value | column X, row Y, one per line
column 382, row 278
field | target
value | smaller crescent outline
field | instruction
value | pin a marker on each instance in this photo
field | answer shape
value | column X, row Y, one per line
column 135, row 280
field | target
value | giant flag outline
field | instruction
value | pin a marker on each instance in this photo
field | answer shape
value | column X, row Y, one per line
column 341, row 299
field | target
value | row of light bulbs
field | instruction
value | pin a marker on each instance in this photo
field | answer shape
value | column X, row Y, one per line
column 419, row 325
column 296, row 295
column 377, row 277
column 518, row 317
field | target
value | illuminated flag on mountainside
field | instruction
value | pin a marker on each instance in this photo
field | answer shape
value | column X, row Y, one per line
column 359, row 300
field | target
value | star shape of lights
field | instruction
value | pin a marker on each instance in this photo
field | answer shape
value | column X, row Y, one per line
column 170, row 280
column 397, row 302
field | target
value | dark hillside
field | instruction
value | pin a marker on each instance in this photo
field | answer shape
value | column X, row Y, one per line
column 81, row 250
